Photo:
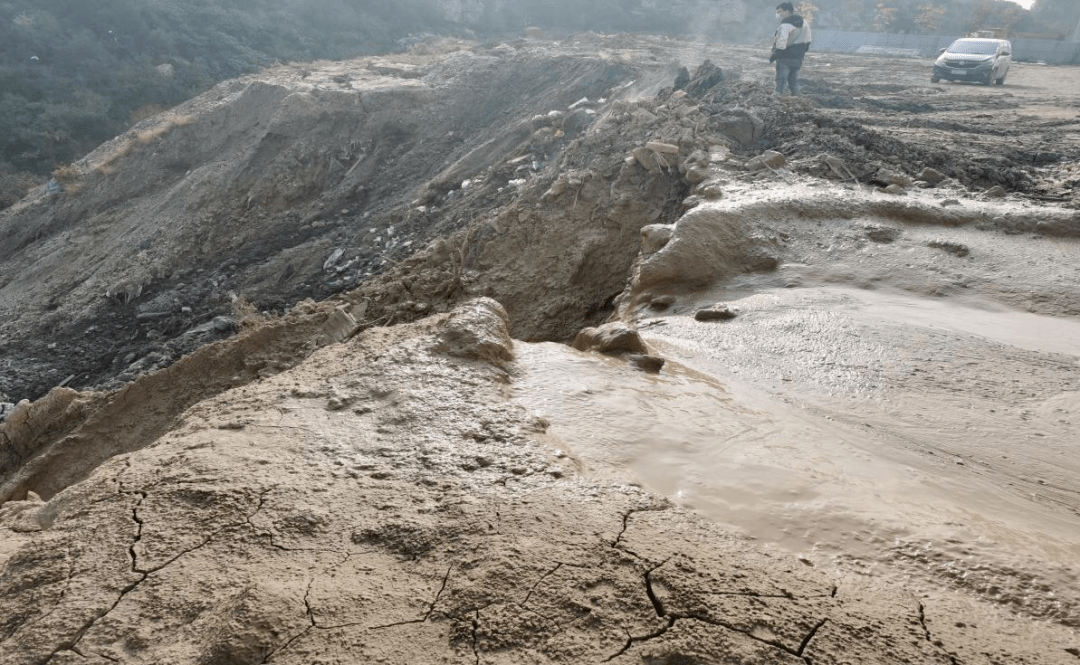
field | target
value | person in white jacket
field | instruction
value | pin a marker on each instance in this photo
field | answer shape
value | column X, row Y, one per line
column 790, row 43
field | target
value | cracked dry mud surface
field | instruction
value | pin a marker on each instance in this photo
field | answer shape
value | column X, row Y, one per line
column 873, row 462
column 425, row 526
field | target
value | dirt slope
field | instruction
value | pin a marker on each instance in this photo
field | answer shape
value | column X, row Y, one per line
column 385, row 500
column 362, row 479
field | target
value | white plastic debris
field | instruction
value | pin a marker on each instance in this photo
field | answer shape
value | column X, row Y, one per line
column 337, row 254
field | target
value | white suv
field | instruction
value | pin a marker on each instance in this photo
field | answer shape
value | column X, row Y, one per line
column 977, row 60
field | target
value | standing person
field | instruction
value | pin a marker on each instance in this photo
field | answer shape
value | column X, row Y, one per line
column 790, row 43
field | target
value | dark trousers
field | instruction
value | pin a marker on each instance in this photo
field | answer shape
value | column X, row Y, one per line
column 787, row 72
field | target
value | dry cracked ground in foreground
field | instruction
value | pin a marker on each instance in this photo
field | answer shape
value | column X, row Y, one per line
column 868, row 456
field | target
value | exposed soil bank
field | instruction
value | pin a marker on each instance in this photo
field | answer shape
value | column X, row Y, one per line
column 386, row 475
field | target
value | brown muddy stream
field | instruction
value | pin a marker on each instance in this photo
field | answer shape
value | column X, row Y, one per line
column 862, row 429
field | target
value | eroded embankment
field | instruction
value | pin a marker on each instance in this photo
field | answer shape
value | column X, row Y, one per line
column 385, row 500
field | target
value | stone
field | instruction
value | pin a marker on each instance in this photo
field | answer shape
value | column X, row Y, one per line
column 614, row 337
column 662, row 302
column 710, row 191
column 655, row 236
column 707, row 76
column 743, row 127
column 954, row 248
column 224, row 324
column 929, row 175
column 894, row 189
column 340, row 325
column 837, row 166
column 893, row 178
column 882, row 234
column 647, row 159
column 770, row 159
column 696, row 174
column 662, row 148
column 645, row 362
column 996, row 192
column 950, row 202
column 478, row 330
column 715, row 313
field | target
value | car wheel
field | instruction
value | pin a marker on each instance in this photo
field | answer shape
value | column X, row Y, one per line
column 934, row 79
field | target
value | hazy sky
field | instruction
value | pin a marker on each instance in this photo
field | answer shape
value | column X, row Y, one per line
column 1026, row 4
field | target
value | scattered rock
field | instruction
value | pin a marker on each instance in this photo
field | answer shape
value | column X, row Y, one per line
column 882, row 234
column 645, row 362
column 743, row 127
column 662, row 302
column 715, row 313
column 955, row 248
column 340, row 325
column 224, row 324
column 478, row 329
column 614, row 337
column 996, row 192
column 769, row 159
column 931, row 176
column 837, row 166
column 893, row 178
column 894, row 189
column 655, row 236
column 710, row 192
column 707, row 76
column 950, row 202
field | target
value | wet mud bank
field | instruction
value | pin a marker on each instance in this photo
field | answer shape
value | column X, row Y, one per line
column 862, row 452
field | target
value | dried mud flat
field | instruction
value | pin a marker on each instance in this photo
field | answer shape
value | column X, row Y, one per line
column 873, row 461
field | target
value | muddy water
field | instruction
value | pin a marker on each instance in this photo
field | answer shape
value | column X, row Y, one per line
column 859, row 428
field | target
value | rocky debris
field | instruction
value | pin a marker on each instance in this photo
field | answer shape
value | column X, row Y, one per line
column 996, row 192
column 716, row 313
column 770, row 159
column 886, row 178
column 896, row 190
column 655, row 236
column 611, row 337
column 949, row 202
column 950, row 246
column 930, row 176
column 837, row 166
column 707, row 243
column 28, row 515
column 704, row 81
column 881, row 233
column 340, row 325
column 661, row 302
column 6, row 408
column 645, row 362
column 477, row 330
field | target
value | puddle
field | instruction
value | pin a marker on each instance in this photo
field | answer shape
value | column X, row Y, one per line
column 717, row 433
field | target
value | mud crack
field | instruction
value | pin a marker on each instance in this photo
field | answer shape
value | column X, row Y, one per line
column 427, row 615
column 542, row 578
column 617, row 543
column 938, row 644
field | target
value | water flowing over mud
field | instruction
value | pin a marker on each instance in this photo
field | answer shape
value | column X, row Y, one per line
column 319, row 405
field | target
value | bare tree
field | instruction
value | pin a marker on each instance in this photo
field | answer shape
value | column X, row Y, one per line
column 884, row 17
column 929, row 17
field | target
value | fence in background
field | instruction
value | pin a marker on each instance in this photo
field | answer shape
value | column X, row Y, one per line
column 1024, row 50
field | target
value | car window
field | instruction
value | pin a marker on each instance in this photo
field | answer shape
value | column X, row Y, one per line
column 973, row 48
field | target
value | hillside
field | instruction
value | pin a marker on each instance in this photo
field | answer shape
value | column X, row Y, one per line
column 288, row 377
